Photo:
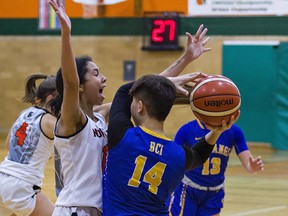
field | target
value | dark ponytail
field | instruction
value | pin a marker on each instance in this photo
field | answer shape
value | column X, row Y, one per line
column 55, row 105
column 34, row 94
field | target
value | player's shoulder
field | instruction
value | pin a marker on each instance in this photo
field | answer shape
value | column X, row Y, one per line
column 234, row 131
column 235, row 127
column 196, row 125
column 192, row 123
column 101, row 120
column 191, row 126
column 99, row 116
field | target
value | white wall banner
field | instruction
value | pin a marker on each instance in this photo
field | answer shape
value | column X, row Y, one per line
column 98, row 2
column 237, row 7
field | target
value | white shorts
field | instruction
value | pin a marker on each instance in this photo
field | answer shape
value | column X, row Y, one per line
column 81, row 211
column 16, row 196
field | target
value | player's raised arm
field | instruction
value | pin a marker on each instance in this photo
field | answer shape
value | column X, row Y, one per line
column 70, row 110
column 194, row 48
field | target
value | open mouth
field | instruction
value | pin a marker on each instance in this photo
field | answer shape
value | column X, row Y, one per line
column 101, row 90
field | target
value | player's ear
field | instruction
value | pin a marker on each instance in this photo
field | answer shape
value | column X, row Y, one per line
column 49, row 97
column 140, row 106
column 81, row 89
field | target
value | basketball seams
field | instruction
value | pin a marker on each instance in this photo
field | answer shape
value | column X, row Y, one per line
column 215, row 98
column 210, row 80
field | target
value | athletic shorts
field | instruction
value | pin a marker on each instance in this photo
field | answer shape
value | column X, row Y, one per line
column 81, row 211
column 16, row 196
column 193, row 202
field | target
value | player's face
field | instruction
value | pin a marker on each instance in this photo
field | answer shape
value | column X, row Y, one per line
column 94, row 85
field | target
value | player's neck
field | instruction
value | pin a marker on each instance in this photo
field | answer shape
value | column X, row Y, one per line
column 154, row 125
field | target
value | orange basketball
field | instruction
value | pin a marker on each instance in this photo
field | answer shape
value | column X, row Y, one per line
column 215, row 98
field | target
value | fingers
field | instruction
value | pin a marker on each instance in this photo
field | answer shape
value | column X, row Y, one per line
column 53, row 5
column 198, row 33
column 189, row 39
column 206, row 49
column 192, row 77
column 180, row 81
column 220, row 128
column 224, row 125
column 183, row 91
column 184, row 79
column 203, row 34
column 62, row 5
column 205, row 41
column 234, row 117
column 231, row 121
column 56, row 4
column 258, row 163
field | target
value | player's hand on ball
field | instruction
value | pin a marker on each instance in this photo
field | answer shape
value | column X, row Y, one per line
column 225, row 125
column 180, row 81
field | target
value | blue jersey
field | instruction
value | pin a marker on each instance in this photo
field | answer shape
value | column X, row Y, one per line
column 152, row 160
column 142, row 168
column 212, row 172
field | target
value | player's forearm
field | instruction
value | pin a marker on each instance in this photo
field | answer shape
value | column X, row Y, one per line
column 197, row 154
column 120, row 115
column 177, row 67
column 212, row 137
column 68, row 65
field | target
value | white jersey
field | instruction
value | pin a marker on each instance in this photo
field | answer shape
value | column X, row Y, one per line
column 29, row 148
column 81, row 156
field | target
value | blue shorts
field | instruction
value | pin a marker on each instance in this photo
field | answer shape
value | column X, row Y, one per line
column 193, row 202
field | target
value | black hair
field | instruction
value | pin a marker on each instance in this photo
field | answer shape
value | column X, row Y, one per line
column 81, row 64
column 157, row 94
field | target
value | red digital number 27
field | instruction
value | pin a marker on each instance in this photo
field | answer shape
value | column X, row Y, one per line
column 161, row 27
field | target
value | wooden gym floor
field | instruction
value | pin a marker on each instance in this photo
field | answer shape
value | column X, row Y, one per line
column 261, row 194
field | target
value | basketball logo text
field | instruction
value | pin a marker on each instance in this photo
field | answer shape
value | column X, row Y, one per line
column 218, row 103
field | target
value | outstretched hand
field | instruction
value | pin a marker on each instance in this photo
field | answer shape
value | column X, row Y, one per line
column 59, row 9
column 196, row 45
column 256, row 164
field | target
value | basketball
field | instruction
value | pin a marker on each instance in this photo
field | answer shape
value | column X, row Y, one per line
column 215, row 98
